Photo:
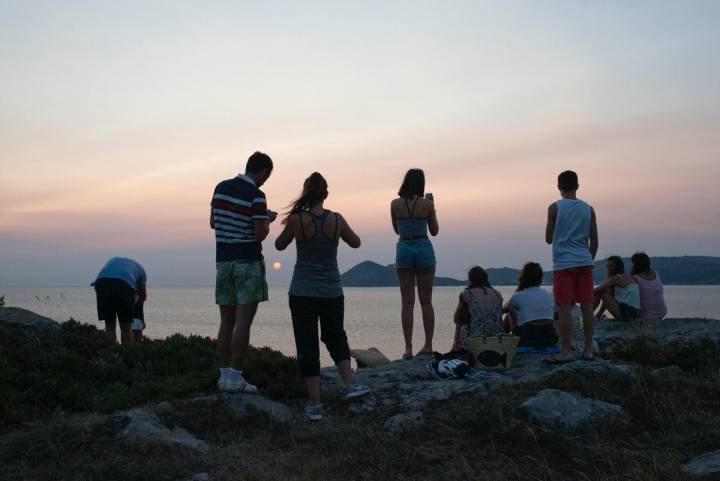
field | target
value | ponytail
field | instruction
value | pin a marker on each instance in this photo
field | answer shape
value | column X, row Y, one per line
column 314, row 191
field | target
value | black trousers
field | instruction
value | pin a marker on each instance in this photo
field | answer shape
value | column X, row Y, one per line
column 305, row 312
column 536, row 336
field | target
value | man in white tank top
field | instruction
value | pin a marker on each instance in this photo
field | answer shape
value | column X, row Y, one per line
column 572, row 231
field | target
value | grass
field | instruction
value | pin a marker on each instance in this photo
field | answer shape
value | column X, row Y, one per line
column 487, row 438
column 90, row 375
column 60, row 449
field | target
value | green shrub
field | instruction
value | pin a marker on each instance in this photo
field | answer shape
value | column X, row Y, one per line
column 90, row 374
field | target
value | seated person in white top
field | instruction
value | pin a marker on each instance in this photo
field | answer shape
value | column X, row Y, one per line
column 530, row 311
column 619, row 294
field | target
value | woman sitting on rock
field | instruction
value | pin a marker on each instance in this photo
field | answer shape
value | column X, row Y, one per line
column 531, row 309
column 479, row 309
column 619, row 294
column 652, row 299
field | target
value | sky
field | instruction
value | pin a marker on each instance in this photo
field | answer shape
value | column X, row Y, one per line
column 117, row 119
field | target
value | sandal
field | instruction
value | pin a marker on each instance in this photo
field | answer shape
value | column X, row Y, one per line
column 557, row 360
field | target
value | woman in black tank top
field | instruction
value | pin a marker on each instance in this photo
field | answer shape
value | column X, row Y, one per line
column 315, row 291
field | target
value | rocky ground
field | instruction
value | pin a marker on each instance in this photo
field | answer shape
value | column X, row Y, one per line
column 600, row 400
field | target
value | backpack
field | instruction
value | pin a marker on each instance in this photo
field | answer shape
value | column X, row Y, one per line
column 448, row 369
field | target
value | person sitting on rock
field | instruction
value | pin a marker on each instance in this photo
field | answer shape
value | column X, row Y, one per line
column 652, row 299
column 479, row 309
column 619, row 294
column 531, row 309
column 115, row 288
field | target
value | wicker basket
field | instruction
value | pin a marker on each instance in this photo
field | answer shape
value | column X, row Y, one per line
column 494, row 353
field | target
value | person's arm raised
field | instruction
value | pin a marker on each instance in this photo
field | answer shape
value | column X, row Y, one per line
column 288, row 233
column 346, row 233
column 550, row 227
column 594, row 242
column 433, row 225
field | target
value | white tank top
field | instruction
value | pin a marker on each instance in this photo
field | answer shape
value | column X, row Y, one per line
column 629, row 295
column 571, row 234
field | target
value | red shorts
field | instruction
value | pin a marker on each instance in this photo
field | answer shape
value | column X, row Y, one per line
column 574, row 285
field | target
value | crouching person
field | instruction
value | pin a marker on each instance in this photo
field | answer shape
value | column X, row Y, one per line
column 115, row 288
column 531, row 309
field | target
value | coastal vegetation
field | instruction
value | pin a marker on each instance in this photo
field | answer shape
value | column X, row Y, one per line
column 87, row 374
column 49, row 399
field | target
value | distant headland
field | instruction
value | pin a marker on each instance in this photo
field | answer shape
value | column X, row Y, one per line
column 683, row 270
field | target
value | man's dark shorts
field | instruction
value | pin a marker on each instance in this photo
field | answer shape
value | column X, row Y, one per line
column 115, row 299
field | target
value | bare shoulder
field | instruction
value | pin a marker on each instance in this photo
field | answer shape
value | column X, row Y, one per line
column 422, row 201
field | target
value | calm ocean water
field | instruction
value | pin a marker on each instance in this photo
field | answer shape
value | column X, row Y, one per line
column 372, row 314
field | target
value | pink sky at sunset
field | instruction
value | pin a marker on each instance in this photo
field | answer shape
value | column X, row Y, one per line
column 114, row 129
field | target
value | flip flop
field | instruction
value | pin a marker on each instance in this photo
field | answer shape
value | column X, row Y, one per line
column 555, row 360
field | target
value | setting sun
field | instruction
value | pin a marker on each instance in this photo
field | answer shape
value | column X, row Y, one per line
column 277, row 266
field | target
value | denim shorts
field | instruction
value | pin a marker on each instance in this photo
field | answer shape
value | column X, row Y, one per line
column 414, row 254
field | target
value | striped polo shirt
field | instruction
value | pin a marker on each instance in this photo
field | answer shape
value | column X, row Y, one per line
column 236, row 204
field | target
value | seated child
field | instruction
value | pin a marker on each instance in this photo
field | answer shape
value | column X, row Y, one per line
column 652, row 298
column 619, row 294
column 531, row 309
column 479, row 309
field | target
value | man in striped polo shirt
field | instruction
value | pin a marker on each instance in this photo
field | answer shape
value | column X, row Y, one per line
column 241, row 220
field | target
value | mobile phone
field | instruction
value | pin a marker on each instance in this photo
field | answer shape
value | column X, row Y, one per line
column 429, row 196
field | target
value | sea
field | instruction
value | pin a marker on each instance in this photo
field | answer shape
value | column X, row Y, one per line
column 372, row 315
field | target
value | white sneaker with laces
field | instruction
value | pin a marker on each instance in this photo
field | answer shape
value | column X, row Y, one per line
column 235, row 382
column 222, row 380
column 313, row 412
column 355, row 391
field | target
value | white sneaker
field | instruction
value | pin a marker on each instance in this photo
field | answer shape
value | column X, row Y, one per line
column 222, row 380
column 355, row 390
column 235, row 382
column 313, row 412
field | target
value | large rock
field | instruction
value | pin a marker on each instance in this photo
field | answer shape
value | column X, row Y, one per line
column 552, row 407
column 400, row 423
column 705, row 465
column 246, row 404
column 406, row 384
column 668, row 374
column 141, row 426
column 611, row 334
column 42, row 329
column 240, row 405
